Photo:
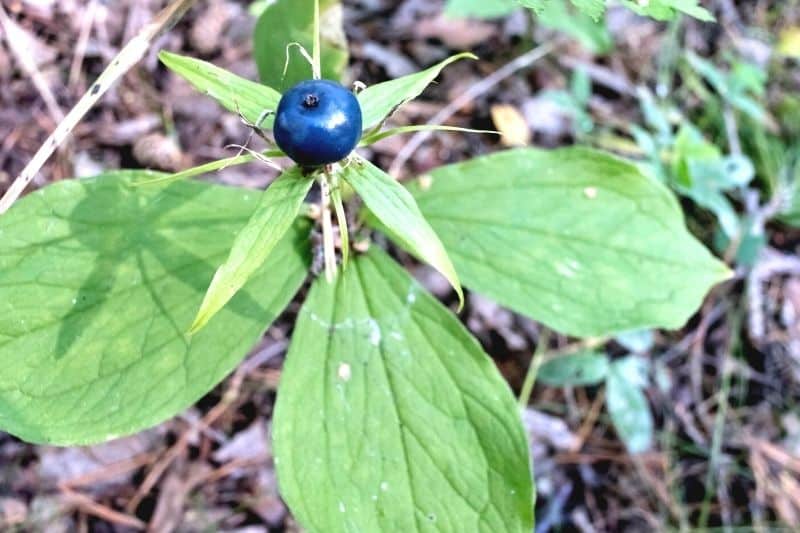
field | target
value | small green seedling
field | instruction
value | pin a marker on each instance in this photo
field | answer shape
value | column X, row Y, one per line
column 624, row 380
column 127, row 297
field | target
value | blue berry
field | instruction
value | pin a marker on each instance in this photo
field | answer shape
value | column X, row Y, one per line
column 318, row 122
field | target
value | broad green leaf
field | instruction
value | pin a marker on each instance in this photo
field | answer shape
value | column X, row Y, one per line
column 588, row 27
column 391, row 418
column 627, row 404
column 704, row 175
column 485, row 9
column 691, row 145
column 585, row 368
column 271, row 220
column 658, row 9
column 668, row 9
column 292, row 21
column 591, row 8
column 575, row 102
column 99, row 280
column 250, row 99
column 379, row 101
column 575, row 238
column 737, row 87
column 578, row 112
column 400, row 217
column 637, row 341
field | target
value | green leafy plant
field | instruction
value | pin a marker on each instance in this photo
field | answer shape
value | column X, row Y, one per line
column 574, row 102
column 693, row 166
column 718, row 170
column 658, row 9
column 127, row 297
column 624, row 381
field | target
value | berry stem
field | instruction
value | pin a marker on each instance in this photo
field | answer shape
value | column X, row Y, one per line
column 316, row 63
column 341, row 216
column 328, row 246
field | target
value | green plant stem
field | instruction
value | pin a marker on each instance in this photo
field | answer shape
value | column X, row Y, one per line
column 329, row 248
column 341, row 216
column 533, row 368
column 316, row 63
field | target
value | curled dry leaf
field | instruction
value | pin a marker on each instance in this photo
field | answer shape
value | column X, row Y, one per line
column 512, row 124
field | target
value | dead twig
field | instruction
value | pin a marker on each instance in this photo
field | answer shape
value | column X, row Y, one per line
column 83, row 42
column 89, row 506
column 109, row 472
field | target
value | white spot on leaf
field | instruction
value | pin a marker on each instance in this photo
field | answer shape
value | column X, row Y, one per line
column 565, row 269
column 425, row 182
column 411, row 297
column 375, row 333
column 344, row 372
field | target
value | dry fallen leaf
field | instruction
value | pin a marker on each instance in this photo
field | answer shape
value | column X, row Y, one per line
column 789, row 42
column 510, row 122
column 458, row 34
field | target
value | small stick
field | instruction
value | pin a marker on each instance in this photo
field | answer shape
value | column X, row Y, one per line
column 108, row 472
column 82, row 45
column 122, row 63
column 89, row 506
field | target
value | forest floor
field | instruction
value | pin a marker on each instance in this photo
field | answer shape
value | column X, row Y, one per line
column 724, row 390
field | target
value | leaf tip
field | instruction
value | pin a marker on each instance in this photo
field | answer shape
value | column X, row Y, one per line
column 460, row 293
column 462, row 55
column 165, row 56
column 725, row 273
column 199, row 323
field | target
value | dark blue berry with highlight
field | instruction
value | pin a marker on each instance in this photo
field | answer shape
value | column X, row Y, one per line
column 318, row 122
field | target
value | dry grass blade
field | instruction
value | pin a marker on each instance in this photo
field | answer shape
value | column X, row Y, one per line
column 131, row 54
